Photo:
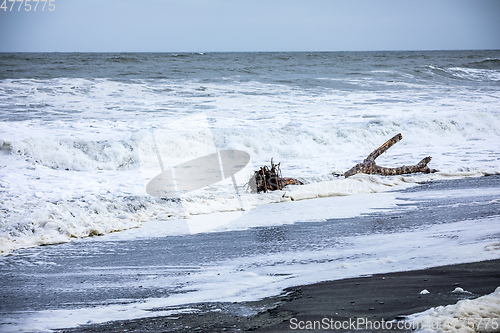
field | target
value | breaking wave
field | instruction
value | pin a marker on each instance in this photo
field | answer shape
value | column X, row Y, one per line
column 71, row 162
column 67, row 154
column 490, row 63
column 291, row 140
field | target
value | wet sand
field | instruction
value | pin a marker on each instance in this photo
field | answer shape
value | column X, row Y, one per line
column 373, row 298
column 378, row 297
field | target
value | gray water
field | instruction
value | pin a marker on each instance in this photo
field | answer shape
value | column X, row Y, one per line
column 100, row 274
column 72, row 126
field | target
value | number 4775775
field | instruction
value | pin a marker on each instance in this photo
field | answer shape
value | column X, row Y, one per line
column 27, row 5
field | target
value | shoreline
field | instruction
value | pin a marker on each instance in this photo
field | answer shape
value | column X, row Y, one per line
column 375, row 298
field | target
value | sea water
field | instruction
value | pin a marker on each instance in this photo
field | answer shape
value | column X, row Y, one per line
column 82, row 134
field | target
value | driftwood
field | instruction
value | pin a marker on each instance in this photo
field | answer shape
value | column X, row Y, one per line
column 368, row 165
column 270, row 179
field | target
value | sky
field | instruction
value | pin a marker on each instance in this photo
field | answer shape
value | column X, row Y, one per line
column 249, row 25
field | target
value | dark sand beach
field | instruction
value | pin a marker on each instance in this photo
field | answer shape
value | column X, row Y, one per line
column 377, row 298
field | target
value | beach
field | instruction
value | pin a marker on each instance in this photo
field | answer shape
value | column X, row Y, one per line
column 355, row 303
column 91, row 239
column 361, row 303
column 103, row 284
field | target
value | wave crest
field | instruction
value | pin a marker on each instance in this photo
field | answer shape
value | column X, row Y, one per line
column 490, row 63
column 81, row 155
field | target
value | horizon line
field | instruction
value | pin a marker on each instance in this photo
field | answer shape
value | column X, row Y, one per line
column 289, row 51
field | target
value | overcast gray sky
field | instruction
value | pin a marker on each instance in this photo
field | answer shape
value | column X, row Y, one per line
column 251, row 25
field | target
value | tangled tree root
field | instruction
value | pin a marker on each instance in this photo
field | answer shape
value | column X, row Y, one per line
column 270, row 179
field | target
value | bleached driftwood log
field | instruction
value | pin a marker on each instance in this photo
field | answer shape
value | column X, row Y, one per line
column 368, row 165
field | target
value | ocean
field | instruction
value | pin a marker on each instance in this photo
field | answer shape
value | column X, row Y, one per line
column 72, row 126
column 82, row 134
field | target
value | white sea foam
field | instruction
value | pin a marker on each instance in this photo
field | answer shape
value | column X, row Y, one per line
column 471, row 315
column 256, row 276
column 73, row 167
column 475, row 74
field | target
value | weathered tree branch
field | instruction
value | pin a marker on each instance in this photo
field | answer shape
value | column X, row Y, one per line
column 370, row 167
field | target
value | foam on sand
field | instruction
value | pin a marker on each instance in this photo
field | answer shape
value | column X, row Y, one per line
column 470, row 315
